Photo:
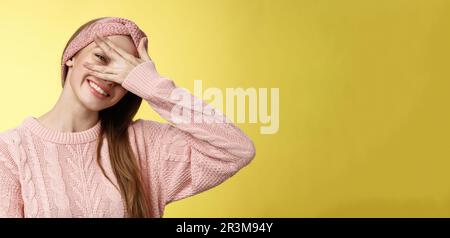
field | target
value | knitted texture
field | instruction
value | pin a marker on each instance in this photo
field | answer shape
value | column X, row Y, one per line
column 104, row 27
column 48, row 173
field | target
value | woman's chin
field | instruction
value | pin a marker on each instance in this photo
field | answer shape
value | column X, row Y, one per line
column 93, row 104
column 93, row 107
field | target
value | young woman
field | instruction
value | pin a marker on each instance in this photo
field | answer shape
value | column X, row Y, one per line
column 86, row 157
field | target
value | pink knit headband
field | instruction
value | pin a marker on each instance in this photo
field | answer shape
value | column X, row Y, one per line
column 103, row 27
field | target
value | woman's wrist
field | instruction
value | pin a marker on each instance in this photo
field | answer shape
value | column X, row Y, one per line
column 145, row 81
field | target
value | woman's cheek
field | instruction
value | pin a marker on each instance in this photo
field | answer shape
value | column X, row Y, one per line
column 81, row 69
column 119, row 92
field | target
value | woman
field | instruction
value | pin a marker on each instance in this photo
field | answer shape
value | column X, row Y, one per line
column 86, row 157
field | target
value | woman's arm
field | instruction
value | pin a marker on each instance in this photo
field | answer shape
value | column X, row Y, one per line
column 195, row 155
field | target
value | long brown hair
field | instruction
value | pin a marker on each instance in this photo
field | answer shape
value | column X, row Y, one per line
column 115, row 121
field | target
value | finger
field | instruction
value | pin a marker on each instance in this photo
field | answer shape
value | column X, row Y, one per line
column 119, row 50
column 105, row 76
column 142, row 50
column 109, row 51
column 102, row 69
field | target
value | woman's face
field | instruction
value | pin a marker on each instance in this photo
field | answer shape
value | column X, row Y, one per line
column 96, row 94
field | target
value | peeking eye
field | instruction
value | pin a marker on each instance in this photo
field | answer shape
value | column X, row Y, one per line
column 101, row 57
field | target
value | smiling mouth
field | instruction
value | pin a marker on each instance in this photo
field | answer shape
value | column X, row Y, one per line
column 97, row 88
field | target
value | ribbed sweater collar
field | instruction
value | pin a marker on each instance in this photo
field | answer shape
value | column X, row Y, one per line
column 49, row 134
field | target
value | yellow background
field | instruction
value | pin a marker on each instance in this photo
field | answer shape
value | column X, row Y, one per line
column 364, row 94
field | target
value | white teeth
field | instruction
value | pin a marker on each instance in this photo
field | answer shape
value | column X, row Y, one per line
column 97, row 88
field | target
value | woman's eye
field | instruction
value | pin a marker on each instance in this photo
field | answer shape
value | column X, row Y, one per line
column 101, row 57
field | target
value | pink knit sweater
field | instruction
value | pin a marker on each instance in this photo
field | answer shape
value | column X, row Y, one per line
column 48, row 173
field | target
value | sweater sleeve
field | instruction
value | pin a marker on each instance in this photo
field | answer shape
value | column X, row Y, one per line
column 199, row 147
column 11, row 203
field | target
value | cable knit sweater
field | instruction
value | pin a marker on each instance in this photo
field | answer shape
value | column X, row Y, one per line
column 48, row 173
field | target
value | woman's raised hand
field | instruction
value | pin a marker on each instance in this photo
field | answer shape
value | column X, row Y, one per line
column 120, row 62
